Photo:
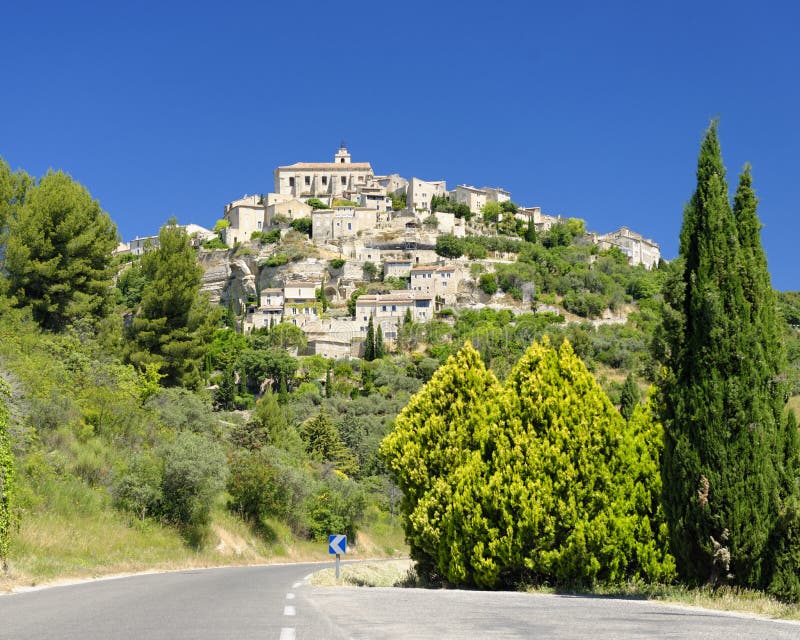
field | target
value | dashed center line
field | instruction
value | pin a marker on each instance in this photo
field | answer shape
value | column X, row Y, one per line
column 290, row 596
column 296, row 584
column 288, row 610
column 287, row 633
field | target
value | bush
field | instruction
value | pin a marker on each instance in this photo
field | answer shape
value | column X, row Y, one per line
column 277, row 260
column 337, row 263
column 194, row 474
column 336, row 507
column 488, row 283
column 302, row 225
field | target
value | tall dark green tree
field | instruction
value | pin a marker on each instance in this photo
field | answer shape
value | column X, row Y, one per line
column 380, row 350
column 174, row 325
column 58, row 252
column 721, row 396
column 369, row 343
column 629, row 398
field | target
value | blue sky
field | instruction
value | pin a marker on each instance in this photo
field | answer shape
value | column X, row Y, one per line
column 588, row 109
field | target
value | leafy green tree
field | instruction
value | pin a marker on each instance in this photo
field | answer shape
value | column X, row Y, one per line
column 370, row 270
column 491, row 212
column 58, row 253
column 448, row 246
column 286, row 335
column 175, row 323
column 722, row 396
column 629, row 398
column 369, row 343
column 130, row 284
column 7, row 478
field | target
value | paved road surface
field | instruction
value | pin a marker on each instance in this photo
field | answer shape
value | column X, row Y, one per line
column 276, row 603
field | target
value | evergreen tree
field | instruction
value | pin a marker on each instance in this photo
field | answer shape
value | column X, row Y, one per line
column 324, row 444
column 629, row 398
column 226, row 391
column 58, row 253
column 721, row 396
column 433, row 437
column 369, row 343
column 175, row 322
column 379, row 348
column 328, row 383
column 530, row 232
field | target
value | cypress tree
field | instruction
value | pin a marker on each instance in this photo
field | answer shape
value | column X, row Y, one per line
column 720, row 397
column 369, row 344
column 629, row 398
column 379, row 348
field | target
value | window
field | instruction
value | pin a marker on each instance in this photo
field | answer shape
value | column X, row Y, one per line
column 383, row 308
column 308, row 180
column 394, row 307
column 349, row 226
column 344, row 178
column 291, row 182
column 324, row 179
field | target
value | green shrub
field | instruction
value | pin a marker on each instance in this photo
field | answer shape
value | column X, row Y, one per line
column 337, row 263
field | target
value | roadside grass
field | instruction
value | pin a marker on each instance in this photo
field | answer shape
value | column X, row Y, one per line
column 380, row 573
column 70, row 531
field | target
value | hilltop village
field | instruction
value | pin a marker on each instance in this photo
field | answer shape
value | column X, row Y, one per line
column 334, row 246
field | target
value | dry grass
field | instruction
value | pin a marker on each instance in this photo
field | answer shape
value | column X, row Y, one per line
column 382, row 573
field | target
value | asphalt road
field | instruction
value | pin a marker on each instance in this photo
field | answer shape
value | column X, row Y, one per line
column 275, row 602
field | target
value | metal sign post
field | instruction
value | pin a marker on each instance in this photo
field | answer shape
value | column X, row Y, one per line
column 337, row 544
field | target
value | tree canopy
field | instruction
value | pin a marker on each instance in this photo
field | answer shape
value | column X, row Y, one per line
column 58, row 252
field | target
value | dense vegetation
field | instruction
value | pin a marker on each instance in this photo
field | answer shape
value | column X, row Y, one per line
column 515, row 466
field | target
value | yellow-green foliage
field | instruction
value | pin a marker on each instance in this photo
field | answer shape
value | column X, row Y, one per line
column 440, row 431
column 7, row 476
column 541, row 480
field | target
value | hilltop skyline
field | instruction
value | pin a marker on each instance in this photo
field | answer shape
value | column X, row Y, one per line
column 587, row 111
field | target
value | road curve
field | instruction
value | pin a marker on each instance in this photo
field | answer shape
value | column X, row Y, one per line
column 276, row 602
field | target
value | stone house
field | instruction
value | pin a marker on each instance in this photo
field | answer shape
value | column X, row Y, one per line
column 244, row 216
column 640, row 250
column 300, row 303
column 420, row 192
column 397, row 267
column 341, row 222
column 474, row 198
column 323, row 179
column 438, row 281
column 390, row 310
column 289, row 208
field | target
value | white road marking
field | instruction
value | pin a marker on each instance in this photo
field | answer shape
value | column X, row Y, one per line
column 296, row 584
column 308, row 577
column 288, row 610
column 290, row 596
column 287, row 633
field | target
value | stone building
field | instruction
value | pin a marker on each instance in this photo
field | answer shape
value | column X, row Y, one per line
column 323, row 179
column 390, row 310
column 474, row 198
column 244, row 216
column 438, row 281
column 640, row 250
column 341, row 222
column 420, row 192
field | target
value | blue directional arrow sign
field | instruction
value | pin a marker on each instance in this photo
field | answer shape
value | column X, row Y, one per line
column 337, row 544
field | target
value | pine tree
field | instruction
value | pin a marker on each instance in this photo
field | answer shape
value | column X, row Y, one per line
column 721, row 402
column 369, row 344
column 58, row 253
column 629, row 398
column 324, row 444
column 530, row 232
column 379, row 348
column 175, row 322
column 328, row 383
